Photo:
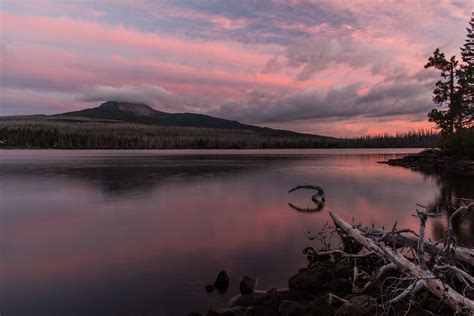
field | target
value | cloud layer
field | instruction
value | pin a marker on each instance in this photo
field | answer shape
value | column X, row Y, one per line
column 312, row 66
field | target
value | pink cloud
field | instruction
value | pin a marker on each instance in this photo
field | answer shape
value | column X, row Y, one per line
column 96, row 36
column 359, row 127
column 373, row 46
column 66, row 70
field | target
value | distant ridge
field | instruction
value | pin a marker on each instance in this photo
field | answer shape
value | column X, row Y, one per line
column 144, row 114
column 125, row 125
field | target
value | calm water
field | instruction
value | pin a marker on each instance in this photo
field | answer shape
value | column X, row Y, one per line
column 142, row 232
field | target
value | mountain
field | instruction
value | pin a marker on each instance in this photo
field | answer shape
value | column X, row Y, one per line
column 143, row 114
column 122, row 125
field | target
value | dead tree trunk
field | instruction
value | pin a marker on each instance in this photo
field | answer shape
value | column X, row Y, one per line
column 461, row 254
column 422, row 277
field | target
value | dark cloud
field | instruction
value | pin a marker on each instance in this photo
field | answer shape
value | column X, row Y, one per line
column 18, row 79
column 384, row 100
column 15, row 102
column 148, row 94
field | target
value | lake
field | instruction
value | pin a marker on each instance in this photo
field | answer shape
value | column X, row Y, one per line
column 142, row 232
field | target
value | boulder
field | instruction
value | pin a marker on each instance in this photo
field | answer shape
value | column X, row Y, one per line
column 210, row 288
column 340, row 287
column 247, row 285
column 268, row 304
column 310, row 280
column 248, row 299
column 349, row 309
column 294, row 295
column 290, row 308
column 361, row 305
column 260, row 302
column 341, row 272
column 222, row 282
column 318, row 306
column 231, row 311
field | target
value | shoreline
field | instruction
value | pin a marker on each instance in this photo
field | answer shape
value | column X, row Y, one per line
column 433, row 160
column 323, row 287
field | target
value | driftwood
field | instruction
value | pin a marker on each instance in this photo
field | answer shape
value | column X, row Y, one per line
column 394, row 238
column 318, row 198
column 422, row 277
column 377, row 280
column 463, row 275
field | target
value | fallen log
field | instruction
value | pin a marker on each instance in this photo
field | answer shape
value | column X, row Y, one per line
column 424, row 277
column 461, row 254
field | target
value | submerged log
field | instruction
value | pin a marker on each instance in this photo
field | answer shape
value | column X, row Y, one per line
column 423, row 277
column 318, row 198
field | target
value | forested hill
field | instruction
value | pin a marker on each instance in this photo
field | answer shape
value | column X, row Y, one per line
column 143, row 114
column 119, row 125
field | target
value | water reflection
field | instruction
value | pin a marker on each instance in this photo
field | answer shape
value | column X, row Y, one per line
column 318, row 198
column 120, row 233
column 452, row 188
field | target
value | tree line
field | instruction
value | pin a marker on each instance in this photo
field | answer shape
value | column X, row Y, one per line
column 43, row 133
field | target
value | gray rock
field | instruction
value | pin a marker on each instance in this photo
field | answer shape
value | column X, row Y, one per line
column 311, row 280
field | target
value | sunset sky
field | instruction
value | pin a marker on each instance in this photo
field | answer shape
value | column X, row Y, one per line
column 340, row 68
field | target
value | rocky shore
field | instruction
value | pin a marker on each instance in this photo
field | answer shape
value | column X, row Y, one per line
column 433, row 160
column 324, row 287
column 369, row 271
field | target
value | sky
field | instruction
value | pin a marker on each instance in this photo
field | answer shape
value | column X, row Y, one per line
column 339, row 68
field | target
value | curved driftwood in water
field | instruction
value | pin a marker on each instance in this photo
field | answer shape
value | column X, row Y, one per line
column 308, row 209
column 318, row 198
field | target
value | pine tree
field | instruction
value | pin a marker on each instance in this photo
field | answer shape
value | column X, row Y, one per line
column 445, row 92
column 455, row 90
column 466, row 76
